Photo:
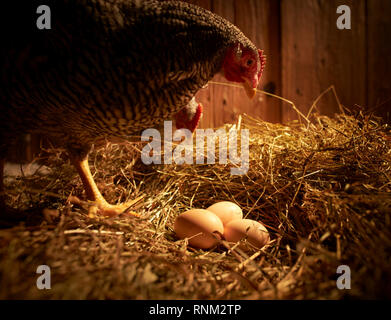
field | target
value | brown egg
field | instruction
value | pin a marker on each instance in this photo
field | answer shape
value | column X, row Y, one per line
column 199, row 225
column 254, row 232
column 226, row 211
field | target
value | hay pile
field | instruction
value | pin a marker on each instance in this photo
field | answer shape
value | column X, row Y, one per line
column 321, row 188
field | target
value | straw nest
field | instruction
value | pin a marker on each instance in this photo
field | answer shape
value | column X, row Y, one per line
column 321, row 188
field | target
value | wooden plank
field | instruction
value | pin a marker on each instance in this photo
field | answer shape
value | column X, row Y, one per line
column 379, row 53
column 316, row 55
column 259, row 21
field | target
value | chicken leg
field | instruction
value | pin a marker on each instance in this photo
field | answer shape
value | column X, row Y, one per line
column 100, row 206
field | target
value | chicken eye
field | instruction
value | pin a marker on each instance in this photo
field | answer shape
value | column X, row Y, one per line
column 249, row 62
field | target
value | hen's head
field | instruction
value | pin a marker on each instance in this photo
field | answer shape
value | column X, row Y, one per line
column 244, row 65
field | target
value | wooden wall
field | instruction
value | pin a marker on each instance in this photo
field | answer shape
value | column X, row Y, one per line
column 379, row 56
column 306, row 54
column 316, row 54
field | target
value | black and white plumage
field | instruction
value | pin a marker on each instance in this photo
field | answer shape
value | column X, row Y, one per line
column 112, row 68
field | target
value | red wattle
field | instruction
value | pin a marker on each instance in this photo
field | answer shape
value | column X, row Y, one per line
column 182, row 120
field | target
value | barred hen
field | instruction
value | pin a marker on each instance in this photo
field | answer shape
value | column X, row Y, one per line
column 113, row 68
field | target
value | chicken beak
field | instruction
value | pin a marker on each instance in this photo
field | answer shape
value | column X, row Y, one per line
column 250, row 90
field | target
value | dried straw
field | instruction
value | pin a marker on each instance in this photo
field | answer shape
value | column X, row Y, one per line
column 321, row 187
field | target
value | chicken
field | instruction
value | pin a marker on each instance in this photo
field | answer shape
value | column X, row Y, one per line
column 112, row 68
